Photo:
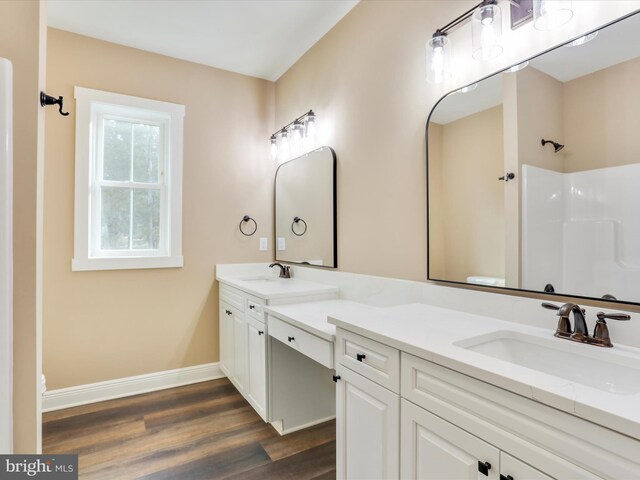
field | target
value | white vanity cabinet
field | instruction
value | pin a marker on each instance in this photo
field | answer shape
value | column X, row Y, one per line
column 367, row 428
column 367, row 408
column 243, row 357
column 401, row 416
column 246, row 351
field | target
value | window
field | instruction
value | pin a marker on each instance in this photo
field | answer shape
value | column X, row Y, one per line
column 128, row 198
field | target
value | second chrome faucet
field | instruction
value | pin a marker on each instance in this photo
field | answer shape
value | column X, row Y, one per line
column 580, row 332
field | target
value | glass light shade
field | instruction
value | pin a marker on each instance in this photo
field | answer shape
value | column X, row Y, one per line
column 310, row 132
column 296, row 139
column 274, row 147
column 486, row 27
column 438, row 53
column 284, row 150
column 550, row 14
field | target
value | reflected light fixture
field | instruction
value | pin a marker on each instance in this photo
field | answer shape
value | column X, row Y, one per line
column 551, row 14
column 582, row 40
column 468, row 88
column 520, row 66
column 295, row 138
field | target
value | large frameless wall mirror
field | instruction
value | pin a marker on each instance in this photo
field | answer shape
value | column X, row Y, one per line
column 305, row 209
column 534, row 173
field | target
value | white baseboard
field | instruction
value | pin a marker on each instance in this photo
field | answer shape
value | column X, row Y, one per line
column 124, row 387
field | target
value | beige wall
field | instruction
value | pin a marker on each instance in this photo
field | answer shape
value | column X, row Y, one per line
column 601, row 118
column 21, row 38
column 110, row 324
column 471, row 212
column 540, row 115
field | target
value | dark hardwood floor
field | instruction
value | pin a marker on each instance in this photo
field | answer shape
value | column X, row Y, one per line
column 197, row 432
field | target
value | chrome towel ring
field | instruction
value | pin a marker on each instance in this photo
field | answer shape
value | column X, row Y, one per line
column 247, row 219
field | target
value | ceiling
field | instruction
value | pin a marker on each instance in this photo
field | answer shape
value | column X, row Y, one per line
column 260, row 38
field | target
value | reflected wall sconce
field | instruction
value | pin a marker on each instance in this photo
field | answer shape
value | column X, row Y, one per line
column 486, row 30
column 295, row 138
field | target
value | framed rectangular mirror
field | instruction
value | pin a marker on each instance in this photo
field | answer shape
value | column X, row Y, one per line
column 305, row 206
column 534, row 173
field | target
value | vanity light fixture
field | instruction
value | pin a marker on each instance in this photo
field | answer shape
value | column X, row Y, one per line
column 486, row 39
column 486, row 30
column 294, row 138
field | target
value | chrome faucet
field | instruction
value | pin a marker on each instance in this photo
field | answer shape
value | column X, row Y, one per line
column 580, row 333
column 285, row 270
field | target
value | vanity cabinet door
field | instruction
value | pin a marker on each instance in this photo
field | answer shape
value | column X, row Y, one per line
column 239, row 375
column 257, row 366
column 434, row 449
column 226, row 339
column 367, row 428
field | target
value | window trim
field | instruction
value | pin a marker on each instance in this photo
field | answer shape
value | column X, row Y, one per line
column 89, row 105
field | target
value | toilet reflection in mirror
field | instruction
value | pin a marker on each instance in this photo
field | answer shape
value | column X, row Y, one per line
column 566, row 125
column 305, row 206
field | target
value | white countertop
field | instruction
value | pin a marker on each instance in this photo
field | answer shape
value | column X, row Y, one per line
column 312, row 316
column 430, row 333
column 274, row 287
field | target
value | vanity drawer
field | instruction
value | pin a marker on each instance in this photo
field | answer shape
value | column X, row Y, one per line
column 254, row 308
column 233, row 297
column 306, row 343
column 374, row 360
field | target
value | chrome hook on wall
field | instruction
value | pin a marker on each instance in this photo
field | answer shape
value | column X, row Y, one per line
column 49, row 100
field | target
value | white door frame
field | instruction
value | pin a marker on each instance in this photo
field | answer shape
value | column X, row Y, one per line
column 6, row 256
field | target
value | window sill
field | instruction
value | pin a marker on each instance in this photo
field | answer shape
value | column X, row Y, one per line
column 125, row 263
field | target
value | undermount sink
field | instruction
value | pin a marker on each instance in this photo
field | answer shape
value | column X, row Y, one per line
column 259, row 278
column 599, row 368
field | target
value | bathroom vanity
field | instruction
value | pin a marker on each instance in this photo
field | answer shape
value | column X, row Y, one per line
column 427, row 392
column 430, row 393
column 279, row 358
